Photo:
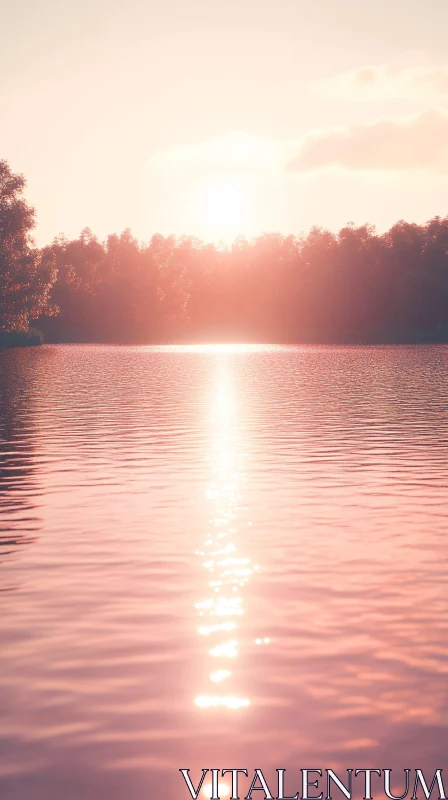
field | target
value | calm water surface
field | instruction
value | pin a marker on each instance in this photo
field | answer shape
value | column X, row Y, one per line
column 220, row 557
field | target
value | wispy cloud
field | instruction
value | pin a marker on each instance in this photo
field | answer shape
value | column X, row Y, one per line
column 381, row 83
column 416, row 143
column 236, row 151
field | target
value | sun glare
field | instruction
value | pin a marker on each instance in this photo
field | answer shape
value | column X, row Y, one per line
column 224, row 207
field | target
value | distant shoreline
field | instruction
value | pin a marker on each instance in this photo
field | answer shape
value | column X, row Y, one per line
column 30, row 338
column 36, row 338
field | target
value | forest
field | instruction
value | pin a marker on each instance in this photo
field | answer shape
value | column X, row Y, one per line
column 353, row 286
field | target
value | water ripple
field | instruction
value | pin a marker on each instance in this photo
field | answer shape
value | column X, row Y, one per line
column 219, row 556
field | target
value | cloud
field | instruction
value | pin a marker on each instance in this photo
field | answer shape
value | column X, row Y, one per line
column 387, row 83
column 237, row 151
column 410, row 144
column 417, row 143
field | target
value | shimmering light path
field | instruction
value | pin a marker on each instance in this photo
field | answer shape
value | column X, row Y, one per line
column 228, row 569
column 220, row 556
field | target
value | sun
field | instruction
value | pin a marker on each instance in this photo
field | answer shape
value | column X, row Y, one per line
column 224, row 207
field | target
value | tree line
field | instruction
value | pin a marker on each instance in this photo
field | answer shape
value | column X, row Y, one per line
column 351, row 286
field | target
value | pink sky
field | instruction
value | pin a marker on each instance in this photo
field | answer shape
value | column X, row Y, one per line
column 215, row 118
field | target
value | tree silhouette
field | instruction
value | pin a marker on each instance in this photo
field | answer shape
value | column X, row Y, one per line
column 350, row 286
column 353, row 286
column 26, row 273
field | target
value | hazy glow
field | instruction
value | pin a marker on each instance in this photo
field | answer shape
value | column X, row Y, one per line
column 153, row 109
column 223, row 208
column 218, row 349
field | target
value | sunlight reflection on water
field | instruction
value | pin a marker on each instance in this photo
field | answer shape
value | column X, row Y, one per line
column 228, row 569
column 141, row 488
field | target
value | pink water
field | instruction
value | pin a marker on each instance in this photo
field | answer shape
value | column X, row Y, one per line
column 220, row 557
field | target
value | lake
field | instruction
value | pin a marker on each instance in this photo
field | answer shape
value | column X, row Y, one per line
column 220, row 557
